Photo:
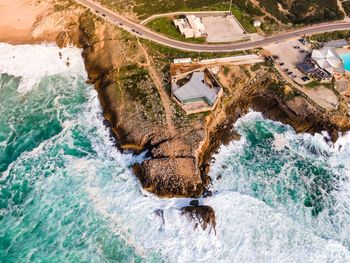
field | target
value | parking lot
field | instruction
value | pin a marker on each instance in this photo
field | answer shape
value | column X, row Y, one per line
column 222, row 29
column 288, row 55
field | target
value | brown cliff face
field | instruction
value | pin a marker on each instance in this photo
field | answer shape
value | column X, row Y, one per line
column 136, row 112
column 143, row 117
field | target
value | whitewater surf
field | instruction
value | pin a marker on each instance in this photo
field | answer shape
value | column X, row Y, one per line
column 67, row 194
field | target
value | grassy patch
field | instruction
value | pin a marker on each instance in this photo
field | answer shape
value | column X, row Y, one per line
column 324, row 37
column 141, row 92
column 165, row 26
column 164, row 53
column 256, row 66
column 243, row 10
column 245, row 19
column 315, row 84
column 270, row 25
column 299, row 12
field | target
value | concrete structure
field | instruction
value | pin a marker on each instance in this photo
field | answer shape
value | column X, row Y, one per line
column 341, row 43
column 257, row 23
column 197, row 92
column 182, row 60
column 191, row 26
column 222, row 29
column 197, row 25
column 328, row 59
column 184, row 27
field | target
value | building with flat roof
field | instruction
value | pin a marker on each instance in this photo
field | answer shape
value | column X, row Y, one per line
column 197, row 92
column 191, row 26
column 184, row 27
column 182, row 60
column 256, row 23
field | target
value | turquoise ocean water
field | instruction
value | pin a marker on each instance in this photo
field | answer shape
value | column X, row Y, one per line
column 346, row 59
column 67, row 194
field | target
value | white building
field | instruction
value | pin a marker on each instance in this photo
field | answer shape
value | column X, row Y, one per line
column 182, row 60
column 257, row 23
column 191, row 26
column 184, row 27
column 328, row 59
column 197, row 26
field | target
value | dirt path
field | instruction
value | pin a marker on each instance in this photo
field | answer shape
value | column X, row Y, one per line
column 163, row 95
column 341, row 8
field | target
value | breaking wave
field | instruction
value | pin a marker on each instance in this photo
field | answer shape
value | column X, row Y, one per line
column 67, row 194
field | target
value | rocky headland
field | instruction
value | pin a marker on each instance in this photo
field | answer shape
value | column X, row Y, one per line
column 132, row 79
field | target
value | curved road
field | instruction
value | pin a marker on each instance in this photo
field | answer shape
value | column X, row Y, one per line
column 144, row 32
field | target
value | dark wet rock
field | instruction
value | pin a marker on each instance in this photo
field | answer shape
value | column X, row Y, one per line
column 194, row 203
column 203, row 216
column 207, row 193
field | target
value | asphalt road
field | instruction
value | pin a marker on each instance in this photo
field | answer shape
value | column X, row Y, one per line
column 144, row 32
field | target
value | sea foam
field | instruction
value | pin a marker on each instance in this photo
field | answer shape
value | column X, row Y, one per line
column 99, row 181
column 33, row 62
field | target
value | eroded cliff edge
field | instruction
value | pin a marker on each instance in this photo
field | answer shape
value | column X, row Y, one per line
column 132, row 81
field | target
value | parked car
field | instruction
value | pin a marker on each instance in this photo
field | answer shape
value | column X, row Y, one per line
column 281, row 64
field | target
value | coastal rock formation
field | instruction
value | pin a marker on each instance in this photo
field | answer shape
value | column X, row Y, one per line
column 202, row 215
column 130, row 78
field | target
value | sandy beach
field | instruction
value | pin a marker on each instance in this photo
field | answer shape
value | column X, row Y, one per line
column 17, row 17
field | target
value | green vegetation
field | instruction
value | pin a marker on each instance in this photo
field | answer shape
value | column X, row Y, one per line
column 63, row 5
column 277, row 88
column 315, row 84
column 244, row 10
column 165, row 26
column 167, row 53
column 245, row 19
column 324, row 37
column 303, row 12
column 139, row 89
column 257, row 66
column 272, row 7
column 346, row 6
column 226, row 70
column 283, row 12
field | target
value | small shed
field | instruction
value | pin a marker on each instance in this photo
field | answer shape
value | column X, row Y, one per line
column 256, row 23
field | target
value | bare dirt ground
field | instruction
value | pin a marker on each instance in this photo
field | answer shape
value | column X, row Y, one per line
column 323, row 96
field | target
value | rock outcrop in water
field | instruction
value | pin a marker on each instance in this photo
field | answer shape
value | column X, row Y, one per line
column 201, row 215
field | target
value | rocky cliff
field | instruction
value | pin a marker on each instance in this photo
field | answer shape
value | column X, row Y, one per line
column 131, row 83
